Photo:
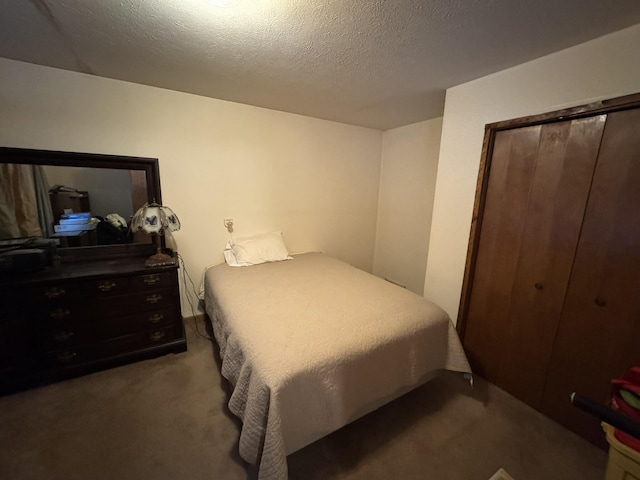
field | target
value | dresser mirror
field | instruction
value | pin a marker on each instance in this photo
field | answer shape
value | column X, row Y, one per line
column 81, row 200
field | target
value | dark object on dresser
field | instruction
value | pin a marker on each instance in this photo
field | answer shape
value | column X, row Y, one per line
column 86, row 316
column 23, row 260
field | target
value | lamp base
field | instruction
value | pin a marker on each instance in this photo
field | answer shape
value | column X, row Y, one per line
column 159, row 260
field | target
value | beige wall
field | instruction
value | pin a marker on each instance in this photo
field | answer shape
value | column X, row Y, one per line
column 407, row 186
column 316, row 181
column 604, row 68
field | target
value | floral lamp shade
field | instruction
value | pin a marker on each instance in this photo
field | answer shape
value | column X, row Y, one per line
column 155, row 219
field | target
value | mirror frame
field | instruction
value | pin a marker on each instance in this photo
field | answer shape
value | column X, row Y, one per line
column 94, row 160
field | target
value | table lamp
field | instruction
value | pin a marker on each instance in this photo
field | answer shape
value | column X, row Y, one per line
column 154, row 219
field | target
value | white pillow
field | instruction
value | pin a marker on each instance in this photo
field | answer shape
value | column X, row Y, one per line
column 230, row 257
column 257, row 249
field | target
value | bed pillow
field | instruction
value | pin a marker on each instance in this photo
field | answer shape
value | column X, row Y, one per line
column 230, row 257
column 257, row 249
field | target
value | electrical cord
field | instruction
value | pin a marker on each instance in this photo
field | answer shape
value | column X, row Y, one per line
column 185, row 275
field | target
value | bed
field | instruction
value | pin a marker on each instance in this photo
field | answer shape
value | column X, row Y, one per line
column 311, row 344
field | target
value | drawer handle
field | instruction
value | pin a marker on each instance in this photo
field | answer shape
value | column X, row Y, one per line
column 155, row 336
column 106, row 285
column 539, row 286
column 151, row 279
column 155, row 298
column 54, row 292
column 156, row 317
column 65, row 357
column 59, row 313
column 62, row 336
column 601, row 302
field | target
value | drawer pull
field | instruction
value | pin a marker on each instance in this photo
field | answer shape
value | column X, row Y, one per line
column 151, row 279
column 156, row 317
column 539, row 286
column 155, row 336
column 54, row 292
column 106, row 285
column 65, row 357
column 59, row 313
column 62, row 336
column 601, row 302
column 155, row 298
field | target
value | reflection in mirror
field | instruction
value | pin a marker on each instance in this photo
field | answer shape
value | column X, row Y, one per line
column 78, row 199
column 78, row 206
column 108, row 191
column 19, row 202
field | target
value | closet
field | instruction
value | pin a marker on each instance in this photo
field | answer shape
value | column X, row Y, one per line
column 551, row 295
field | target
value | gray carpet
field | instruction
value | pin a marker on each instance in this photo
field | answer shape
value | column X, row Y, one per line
column 166, row 419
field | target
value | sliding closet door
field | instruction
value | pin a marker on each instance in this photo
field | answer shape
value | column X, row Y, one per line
column 536, row 196
column 599, row 333
column 564, row 170
column 512, row 167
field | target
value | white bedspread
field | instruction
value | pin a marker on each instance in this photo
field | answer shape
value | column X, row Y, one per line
column 311, row 344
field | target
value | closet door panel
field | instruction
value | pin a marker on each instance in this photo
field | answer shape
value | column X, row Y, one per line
column 599, row 333
column 561, row 182
column 507, row 193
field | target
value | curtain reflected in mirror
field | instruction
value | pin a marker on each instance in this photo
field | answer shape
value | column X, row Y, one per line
column 25, row 210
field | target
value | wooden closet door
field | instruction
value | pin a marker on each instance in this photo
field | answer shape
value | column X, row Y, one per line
column 536, row 196
column 599, row 333
column 512, row 168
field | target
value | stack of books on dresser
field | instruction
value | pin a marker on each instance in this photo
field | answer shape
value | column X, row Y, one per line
column 75, row 222
column 76, row 230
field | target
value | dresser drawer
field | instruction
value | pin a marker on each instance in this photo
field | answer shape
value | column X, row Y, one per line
column 121, row 285
column 58, row 312
column 65, row 334
column 135, row 302
column 53, row 303
column 153, row 281
column 54, row 295
column 72, row 356
column 107, row 287
column 95, row 309
column 56, row 292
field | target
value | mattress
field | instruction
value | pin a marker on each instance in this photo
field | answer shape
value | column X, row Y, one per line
column 311, row 344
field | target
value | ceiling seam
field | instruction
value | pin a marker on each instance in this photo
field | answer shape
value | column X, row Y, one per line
column 45, row 10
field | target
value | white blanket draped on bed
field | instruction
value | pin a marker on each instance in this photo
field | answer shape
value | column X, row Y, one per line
column 311, row 344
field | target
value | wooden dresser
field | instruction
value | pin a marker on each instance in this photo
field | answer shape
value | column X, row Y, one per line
column 82, row 317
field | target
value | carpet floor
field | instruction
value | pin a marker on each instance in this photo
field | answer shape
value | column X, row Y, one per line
column 166, row 418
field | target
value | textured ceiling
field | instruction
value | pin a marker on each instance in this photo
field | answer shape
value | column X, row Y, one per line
column 374, row 63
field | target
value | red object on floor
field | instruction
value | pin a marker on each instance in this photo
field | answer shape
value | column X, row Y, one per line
column 630, row 381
